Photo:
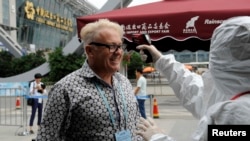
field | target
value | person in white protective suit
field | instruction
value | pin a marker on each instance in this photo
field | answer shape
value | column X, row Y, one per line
column 219, row 96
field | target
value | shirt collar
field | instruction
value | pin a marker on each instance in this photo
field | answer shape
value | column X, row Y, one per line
column 87, row 72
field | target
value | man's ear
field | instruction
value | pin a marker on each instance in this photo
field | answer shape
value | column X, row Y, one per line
column 89, row 50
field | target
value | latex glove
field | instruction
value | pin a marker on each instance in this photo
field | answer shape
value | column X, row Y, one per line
column 156, row 54
column 148, row 128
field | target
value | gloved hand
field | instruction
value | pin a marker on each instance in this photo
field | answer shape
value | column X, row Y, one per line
column 148, row 128
column 152, row 50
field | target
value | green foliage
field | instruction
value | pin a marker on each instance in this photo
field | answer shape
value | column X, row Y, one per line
column 5, row 59
column 135, row 61
column 61, row 65
column 12, row 66
column 25, row 64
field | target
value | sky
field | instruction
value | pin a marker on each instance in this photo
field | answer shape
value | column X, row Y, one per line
column 100, row 3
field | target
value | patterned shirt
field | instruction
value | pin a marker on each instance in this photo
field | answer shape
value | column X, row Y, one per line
column 76, row 111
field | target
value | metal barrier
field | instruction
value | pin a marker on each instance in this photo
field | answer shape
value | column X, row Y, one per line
column 24, row 131
column 150, row 97
column 13, row 106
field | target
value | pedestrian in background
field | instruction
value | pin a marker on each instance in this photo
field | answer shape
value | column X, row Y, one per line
column 220, row 96
column 141, row 90
column 37, row 88
column 95, row 102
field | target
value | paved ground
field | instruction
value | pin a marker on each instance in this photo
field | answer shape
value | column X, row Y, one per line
column 173, row 118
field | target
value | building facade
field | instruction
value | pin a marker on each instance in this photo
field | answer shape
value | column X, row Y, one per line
column 42, row 24
column 8, row 17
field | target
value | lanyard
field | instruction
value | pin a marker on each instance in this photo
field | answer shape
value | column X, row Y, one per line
column 239, row 95
column 108, row 107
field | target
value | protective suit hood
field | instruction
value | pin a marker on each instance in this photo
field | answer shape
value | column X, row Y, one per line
column 229, row 62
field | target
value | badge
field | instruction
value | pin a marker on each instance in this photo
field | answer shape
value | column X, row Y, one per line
column 123, row 135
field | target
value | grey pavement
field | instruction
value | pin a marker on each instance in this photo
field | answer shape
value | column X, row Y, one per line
column 173, row 118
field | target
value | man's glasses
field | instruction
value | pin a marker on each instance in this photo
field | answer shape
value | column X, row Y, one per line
column 112, row 48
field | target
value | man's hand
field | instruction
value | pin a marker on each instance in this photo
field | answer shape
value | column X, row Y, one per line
column 148, row 128
column 153, row 51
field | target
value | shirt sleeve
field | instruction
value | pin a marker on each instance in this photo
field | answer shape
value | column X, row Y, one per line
column 187, row 86
column 31, row 87
column 55, row 117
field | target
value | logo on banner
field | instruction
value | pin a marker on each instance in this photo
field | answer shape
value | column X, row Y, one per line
column 190, row 25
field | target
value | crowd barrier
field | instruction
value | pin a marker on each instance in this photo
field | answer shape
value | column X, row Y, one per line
column 25, row 125
column 13, row 106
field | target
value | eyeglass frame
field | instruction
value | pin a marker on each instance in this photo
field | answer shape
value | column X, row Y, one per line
column 112, row 48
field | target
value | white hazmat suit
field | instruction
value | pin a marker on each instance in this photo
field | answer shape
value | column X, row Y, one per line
column 208, row 97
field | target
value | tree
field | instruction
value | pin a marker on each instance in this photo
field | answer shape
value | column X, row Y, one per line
column 28, row 62
column 12, row 66
column 135, row 61
column 61, row 65
column 5, row 59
